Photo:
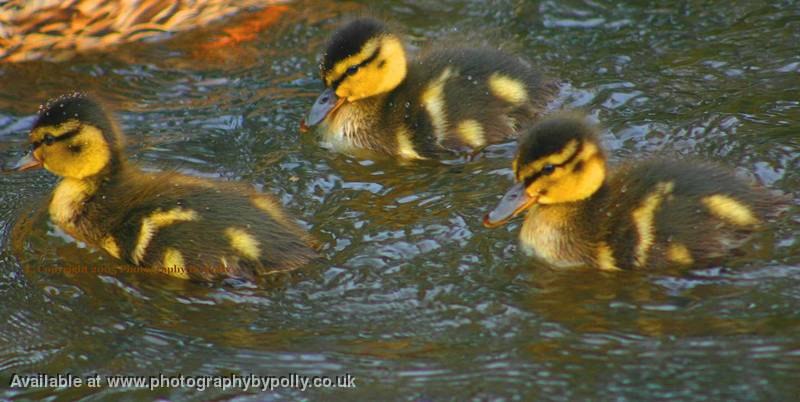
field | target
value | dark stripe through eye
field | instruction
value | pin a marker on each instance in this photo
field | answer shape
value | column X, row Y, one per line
column 353, row 69
column 550, row 168
column 50, row 140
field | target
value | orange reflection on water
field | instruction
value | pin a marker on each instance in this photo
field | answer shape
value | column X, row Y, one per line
column 56, row 30
column 247, row 29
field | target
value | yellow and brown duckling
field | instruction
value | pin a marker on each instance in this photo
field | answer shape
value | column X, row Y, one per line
column 451, row 100
column 650, row 214
column 184, row 226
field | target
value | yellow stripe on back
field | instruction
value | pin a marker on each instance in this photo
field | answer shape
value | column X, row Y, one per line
column 728, row 209
column 405, row 147
column 677, row 252
column 111, row 247
column 605, row 258
column 433, row 101
column 173, row 264
column 471, row 131
column 156, row 220
column 643, row 219
column 269, row 206
column 243, row 242
column 508, row 89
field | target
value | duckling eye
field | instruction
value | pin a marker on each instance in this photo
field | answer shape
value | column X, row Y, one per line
column 548, row 170
column 352, row 70
column 48, row 139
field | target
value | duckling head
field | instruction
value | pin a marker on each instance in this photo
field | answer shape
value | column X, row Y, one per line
column 73, row 137
column 559, row 160
column 361, row 60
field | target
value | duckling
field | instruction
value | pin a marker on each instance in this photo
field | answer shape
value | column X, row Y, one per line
column 56, row 30
column 451, row 100
column 186, row 227
column 651, row 214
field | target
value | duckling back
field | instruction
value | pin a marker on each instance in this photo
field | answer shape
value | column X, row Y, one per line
column 193, row 229
column 662, row 213
column 463, row 99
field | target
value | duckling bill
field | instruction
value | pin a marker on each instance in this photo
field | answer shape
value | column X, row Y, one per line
column 451, row 100
column 179, row 225
column 650, row 214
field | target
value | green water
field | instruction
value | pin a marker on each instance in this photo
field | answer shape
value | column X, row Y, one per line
column 416, row 299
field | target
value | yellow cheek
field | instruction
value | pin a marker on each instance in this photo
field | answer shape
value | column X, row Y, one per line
column 94, row 155
column 542, row 190
column 566, row 185
column 356, row 86
column 533, row 190
column 558, row 189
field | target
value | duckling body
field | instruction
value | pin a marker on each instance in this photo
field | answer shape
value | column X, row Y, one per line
column 451, row 100
column 183, row 226
column 651, row 214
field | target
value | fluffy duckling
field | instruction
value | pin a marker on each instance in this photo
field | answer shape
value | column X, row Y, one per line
column 452, row 100
column 650, row 214
column 183, row 226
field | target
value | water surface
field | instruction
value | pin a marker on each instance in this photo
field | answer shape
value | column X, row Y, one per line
column 416, row 298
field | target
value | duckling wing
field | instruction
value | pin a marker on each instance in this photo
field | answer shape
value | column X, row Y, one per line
column 463, row 99
column 205, row 230
column 666, row 213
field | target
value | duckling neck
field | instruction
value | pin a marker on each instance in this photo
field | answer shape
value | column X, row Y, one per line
column 354, row 125
column 72, row 195
column 563, row 234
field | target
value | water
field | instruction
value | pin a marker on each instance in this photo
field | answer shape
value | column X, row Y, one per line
column 416, row 298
